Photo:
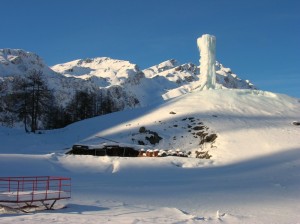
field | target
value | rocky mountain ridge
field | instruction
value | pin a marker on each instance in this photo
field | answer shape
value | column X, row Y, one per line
column 109, row 84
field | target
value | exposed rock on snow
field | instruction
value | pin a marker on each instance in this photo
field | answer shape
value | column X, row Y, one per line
column 146, row 137
column 297, row 123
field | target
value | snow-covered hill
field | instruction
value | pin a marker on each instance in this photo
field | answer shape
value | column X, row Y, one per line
column 252, row 176
column 241, row 119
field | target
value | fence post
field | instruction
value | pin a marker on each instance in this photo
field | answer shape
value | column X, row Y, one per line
column 59, row 187
column 33, row 187
column 48, row 185
column 18, row 191
column 9, row 184
column 23, row 182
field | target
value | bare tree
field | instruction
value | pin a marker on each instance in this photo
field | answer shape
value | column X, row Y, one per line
column 31, row 98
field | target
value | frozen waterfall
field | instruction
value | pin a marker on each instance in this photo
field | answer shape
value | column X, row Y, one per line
column 207, row 47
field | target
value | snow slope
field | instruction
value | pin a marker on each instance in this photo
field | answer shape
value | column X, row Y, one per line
column 252, row 176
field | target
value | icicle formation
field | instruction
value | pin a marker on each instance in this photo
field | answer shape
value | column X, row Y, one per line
column 207, row 47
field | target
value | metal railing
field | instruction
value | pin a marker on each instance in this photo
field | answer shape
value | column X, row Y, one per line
column 35, row 188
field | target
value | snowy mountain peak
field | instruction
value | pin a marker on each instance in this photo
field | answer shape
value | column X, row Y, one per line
column 109, row 84
column 18, row 62
column 228, row 79
column 108, row 70
column 167, row 65
column 164, row 66
column 10, row 55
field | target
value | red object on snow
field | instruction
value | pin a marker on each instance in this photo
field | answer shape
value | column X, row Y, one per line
column 34, row 189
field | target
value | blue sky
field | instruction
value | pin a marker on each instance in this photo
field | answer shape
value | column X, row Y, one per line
column 258, row 39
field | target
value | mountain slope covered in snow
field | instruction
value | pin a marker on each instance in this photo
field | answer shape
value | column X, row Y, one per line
column 166, row 80
column 106, row 72
column 82, row 89
column 237, row 117
column 231, row 152
column 252, row 176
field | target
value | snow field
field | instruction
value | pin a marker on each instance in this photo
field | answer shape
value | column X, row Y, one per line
column 252, row 177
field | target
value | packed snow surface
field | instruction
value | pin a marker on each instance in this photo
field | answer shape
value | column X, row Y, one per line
column 252, row 176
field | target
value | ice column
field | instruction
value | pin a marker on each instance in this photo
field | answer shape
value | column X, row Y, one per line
column 207, row 47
